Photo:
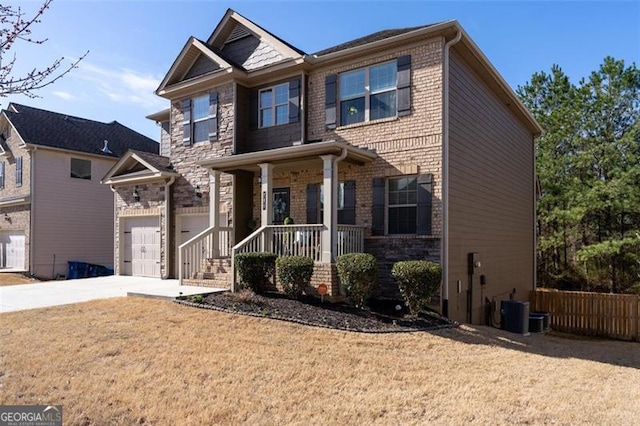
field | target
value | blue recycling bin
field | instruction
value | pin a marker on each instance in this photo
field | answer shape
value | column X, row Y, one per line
column 77, row 270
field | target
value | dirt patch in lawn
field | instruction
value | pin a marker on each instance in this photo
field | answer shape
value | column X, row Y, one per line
column 12, row 278
column 142, row 361
column 380, row 316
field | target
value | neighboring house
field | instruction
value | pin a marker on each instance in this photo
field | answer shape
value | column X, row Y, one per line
column 406, row 144
column 52, row 206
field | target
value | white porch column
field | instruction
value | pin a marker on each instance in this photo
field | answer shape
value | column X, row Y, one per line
column 266, row 200
column 214, row 211
column 330, row 202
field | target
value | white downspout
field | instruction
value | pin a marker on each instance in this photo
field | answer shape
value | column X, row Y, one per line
column 167, row 232
column 115, row 225
column 445, row 174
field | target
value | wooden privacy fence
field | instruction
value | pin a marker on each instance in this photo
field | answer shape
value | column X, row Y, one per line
column 595, row 314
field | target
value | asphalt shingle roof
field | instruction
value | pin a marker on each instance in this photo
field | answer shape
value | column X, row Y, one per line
column 40, row 127
column 380, row 35
column 158, row 161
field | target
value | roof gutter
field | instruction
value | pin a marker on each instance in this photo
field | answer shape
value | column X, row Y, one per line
column 445, row 174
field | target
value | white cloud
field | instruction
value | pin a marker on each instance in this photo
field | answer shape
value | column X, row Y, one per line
column 64, row 95
column 122, row 85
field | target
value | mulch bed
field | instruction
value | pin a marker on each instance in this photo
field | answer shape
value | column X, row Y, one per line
column 382, row 316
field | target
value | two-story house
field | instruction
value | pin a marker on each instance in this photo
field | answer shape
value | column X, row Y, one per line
column 53, row 208
column 406, row 144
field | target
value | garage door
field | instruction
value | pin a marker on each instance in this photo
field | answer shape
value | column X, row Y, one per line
column 12, row 251
column 142, row 246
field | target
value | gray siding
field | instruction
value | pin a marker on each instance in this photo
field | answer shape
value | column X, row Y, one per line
column 251, row 53
column 255, row 139
column 491, row 197
column 201, row 66
column 73, row 218
column 165, row 139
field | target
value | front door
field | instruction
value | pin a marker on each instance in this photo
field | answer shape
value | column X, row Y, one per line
column 281, row 205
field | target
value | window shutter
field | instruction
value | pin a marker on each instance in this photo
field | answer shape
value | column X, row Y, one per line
column 330, row 92
column 294, row 100
column 424, row 204
column 404, row 85
column 186, row 122
column 213, row 116
column 377, row 209
column 1, row 174
column 313, row 192
column 253, row 109
column 347, row 215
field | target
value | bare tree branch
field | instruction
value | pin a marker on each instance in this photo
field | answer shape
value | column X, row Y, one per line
column 14, row 28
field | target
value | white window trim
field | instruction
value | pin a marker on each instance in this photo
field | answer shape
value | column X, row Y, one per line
column 367, row 93
column 195, row 120
column 388, row 206
column 274, row 106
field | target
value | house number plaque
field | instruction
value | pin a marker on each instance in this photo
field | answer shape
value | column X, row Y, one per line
column 264, row 200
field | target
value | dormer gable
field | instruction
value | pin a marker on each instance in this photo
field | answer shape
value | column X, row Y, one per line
column 249, row 45
column 195, row 59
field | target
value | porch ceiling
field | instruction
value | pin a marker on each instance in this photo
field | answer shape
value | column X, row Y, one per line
column 290, row 155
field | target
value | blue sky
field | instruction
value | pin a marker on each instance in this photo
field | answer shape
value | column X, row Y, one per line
column 132, row 44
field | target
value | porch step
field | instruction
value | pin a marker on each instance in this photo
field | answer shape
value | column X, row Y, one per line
column 213, row 273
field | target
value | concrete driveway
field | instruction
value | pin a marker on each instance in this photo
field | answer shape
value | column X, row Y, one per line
column 54, row 293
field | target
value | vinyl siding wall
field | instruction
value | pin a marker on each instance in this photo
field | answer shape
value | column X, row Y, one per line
column 73, row 218
column 491, row 198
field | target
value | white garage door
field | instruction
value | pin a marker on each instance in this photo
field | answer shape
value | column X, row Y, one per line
column 12, row 251
column 142, row 246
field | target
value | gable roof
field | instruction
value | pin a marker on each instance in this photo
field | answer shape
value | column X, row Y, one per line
column 232, row 18
column 139, row 166
column 380, row 35
column 51, row 129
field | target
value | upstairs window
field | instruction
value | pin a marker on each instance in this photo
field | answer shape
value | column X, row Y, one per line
column 80, row 169
column 200, row 119
column 274, row 105
column 1, row 174
column 19, row 171
column 368, row 93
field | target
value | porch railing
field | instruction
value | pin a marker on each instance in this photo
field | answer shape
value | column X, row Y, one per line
column 350, row 239
column 284, row 240
column 298, row 240
column 191, row 253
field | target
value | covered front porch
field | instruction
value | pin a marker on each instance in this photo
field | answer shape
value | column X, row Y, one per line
column 261, row 200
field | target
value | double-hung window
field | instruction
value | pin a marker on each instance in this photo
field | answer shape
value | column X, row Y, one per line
column 368, row 94
column 274, row 105
column 403, row 205
column 201, row 119
column 19, row 171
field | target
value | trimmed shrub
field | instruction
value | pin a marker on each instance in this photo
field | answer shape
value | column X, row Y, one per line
column 419, row 281
column 255, row 269
column 358, row 273
column 294, row 273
